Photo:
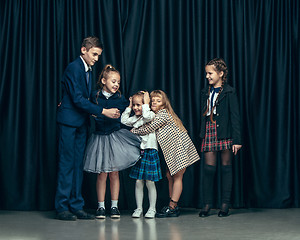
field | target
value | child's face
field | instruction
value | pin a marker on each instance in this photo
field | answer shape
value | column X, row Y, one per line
column 137, row 103
column 156, row 104
column 91, row 56
column 214, row 78
column 111, row 84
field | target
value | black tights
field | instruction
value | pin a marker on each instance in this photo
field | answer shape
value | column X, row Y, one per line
column 209, row 175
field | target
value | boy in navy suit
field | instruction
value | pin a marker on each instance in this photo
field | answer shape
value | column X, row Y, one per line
column 72, row 119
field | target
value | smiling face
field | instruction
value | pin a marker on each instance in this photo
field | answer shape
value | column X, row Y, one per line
column 111, row 83
column 91, row 56
column 137, row 102
column 214, row 78
column 156, row 103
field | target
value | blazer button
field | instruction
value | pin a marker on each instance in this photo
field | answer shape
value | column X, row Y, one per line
column 218, row 114
column 218, row 125
column 89, row 99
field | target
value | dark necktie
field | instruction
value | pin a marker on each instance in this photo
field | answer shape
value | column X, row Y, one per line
column 87, row 77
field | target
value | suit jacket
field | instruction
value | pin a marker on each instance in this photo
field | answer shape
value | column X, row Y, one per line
column 75, row 104
column 178, row 149
column 227, row 115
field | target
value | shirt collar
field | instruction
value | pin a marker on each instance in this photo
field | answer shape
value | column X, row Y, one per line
column 215, row 89
column 86, row 67
column 106, row 94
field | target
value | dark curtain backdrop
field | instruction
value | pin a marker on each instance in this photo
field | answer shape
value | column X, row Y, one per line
column 156, row 44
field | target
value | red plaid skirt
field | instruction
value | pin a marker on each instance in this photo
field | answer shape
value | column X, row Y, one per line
column 211, row 143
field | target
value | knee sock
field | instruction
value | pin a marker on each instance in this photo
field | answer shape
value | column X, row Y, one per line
column 208, row 183
column 152, row 194
column 139, row 193
column 226, row 183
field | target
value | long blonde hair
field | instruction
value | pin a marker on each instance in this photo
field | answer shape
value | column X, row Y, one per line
column 167, row 105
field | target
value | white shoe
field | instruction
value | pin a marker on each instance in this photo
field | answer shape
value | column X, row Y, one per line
column 150, row 213
column 137, row 213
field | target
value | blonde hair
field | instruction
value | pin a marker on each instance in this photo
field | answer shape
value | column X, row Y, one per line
column 139, row 94
column 167, row 105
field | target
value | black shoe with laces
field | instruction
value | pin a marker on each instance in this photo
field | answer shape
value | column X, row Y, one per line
column 80, row 214
column 66, row 216
column 168, row 212
column 114, row 212
column 100, row 213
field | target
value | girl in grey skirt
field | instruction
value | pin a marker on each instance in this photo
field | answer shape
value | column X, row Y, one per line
column 110, row 149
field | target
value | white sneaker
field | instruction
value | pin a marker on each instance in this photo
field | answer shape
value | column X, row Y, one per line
column 137, row 213
column 150, row 213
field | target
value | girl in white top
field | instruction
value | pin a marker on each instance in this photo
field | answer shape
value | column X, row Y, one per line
column 148, row 168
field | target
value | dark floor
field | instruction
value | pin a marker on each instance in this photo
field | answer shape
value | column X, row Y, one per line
column 251, row 224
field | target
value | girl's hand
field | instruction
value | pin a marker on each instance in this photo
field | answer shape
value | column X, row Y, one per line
column 235, row 148
column 146, row 98
column 130, row 102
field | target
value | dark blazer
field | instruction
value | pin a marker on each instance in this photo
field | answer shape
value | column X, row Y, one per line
column 227, row 115
column 75, row 105
column 105, row 125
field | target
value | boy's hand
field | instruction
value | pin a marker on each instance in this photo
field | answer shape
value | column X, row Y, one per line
column 111, row 113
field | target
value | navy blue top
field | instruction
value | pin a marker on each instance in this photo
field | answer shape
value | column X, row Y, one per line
column 105, row 125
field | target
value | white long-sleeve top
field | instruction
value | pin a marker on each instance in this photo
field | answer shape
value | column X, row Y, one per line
column 148, row 141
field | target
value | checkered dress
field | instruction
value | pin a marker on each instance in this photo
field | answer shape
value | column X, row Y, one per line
column 177, row 147
column 148, row 167
column 211, row 143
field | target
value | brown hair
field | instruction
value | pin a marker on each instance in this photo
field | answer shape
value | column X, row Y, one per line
column 104, row 74
column 167, row 105
column 90, row 42
column 220, row 66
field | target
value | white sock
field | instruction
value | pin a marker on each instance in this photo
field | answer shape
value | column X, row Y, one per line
column 139, row 193
column 114, row 203
column 101, row 205
column 152, row 194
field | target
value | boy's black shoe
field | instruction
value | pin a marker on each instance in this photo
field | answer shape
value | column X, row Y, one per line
column 80, row 214
column 168, row 212
column 66, row 216
column 114, row 212
column 100, row 213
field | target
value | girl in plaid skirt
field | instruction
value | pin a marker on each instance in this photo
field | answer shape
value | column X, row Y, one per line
column 177, row 147
column 220, row 130
column 148, row 167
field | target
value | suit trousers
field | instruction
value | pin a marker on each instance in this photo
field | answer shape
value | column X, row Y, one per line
column 71, row 147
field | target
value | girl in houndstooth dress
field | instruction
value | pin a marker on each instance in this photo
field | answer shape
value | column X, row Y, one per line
column 178, row 149
column 220, row 131
column 148, row 167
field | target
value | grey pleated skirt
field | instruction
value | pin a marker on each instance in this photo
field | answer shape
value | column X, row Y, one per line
column 114, row 152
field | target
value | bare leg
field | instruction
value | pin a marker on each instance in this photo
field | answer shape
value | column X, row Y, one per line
column 177, row 188
column 170, row 181
column 101, row 186
column 114, row 185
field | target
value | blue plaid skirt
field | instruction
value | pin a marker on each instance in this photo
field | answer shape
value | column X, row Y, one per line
column 148, row 167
